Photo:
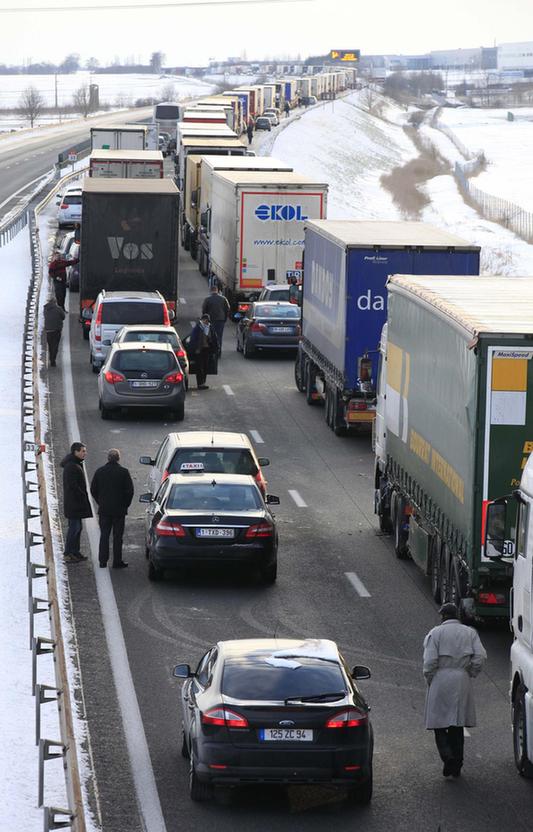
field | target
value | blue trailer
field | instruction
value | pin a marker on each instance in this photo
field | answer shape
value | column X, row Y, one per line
column 344, row 305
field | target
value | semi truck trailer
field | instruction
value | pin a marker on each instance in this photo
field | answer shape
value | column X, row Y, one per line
column 344, row 307
column 454, row 429
column 119, row 137
column 127, row 164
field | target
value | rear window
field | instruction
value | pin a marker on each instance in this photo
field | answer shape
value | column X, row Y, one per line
column 218, row 497
column 156, row 364
column 132, row 312
column 71, row 199
column 216, row 460
column 283, row 294
column 277, row 312
column 152, row 338
column 255, row 679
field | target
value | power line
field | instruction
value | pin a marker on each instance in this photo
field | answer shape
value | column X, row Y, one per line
column 145, row 5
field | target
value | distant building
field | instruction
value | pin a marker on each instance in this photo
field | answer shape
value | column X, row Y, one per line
column 515, row 55
column 456, row 58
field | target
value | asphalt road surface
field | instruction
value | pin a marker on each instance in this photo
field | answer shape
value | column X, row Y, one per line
column 331, row 535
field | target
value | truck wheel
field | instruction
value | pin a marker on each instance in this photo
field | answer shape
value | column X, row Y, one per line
column 523, row 765
column 186, row 238
column 201, row 260
column 445, row 575
column 434, row 569
column 194, row 247
column 400, row 536
column 384, row 515
column 327, row 408
column 309, row 383
column 454, row 586
column 298, row 374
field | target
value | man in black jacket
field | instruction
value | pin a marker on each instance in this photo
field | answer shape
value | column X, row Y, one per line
column 217, row 307
column 112, row 488
column 75, row 500
column 53, row 325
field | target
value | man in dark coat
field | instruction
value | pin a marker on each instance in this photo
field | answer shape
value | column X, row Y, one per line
column 57, row 270
column 202, row 343
column 75, row 500
column 112, row 488
column 250, row 131
column 53, row 325
column 217, row 307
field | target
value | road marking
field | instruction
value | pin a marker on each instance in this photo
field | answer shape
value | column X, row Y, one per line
column 298, row 499
column 467, row 733
column 256, row 436
column 192, row 323
column 357, row 584
column 183, row 300
column 141, row 765
column 27, row 185
column 227, row 390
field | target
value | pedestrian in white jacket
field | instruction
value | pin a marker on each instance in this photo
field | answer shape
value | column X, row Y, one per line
column 453, row 655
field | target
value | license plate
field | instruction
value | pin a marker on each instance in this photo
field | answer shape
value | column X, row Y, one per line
column 285, row 735
column 281, row 330
column 215, row 532
column 144, row 383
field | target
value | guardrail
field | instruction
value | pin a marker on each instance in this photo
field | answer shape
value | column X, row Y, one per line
column 18, row 219
column 38, row 536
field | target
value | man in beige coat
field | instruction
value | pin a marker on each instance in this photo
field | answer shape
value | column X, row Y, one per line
column 453, row 655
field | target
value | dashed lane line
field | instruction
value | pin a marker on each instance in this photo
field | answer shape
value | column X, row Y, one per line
column 297, row 497
column 183, row 301
column 256, row 436
column 358, row 585
column 227, row 390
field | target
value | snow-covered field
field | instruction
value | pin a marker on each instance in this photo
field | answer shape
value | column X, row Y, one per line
column 506, row 145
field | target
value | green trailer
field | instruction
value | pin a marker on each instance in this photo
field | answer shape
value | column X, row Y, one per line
column 454, row 427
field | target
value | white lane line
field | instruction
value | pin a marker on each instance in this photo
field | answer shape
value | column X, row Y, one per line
column 183, row 301
column 256, row 436
column 357, row 584
column 297, row 497
column 467, row 732
column 141, row 764
column 227, row 390
column 192, row 323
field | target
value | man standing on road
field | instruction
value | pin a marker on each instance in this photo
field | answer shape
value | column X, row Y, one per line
column 57, row 271
column 250, row 132
column 287, row 109
column 217, row 307
column 75, row 500
column 202, row 344
column 53, row 325
column 112, row 488
column 453, row 655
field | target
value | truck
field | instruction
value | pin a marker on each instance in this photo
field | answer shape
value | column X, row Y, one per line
column 255, row 101
column 119, row 137
column 252, row 233
column 205, row 115
column 269, row 96
column 127, row 164
column 344, row 306
column 454, row 431
column 244, row 98
column 232, row 106
column 129, row 239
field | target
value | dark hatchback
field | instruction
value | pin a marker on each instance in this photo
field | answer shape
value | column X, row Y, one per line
column 276, row 711
column 199, row 519
column 272, row 325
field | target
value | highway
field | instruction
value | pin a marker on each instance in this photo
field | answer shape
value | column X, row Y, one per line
column 338, row 578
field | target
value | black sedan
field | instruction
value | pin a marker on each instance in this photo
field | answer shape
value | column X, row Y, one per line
column 210, row 519
column 269, row 711
column 273, row 325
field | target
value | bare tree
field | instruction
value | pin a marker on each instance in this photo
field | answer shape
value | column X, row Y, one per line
column 168, row 92
column 31, row 104
column 82, row 100
column 370, row 101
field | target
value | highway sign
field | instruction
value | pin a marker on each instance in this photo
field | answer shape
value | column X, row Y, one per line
column 345, row 55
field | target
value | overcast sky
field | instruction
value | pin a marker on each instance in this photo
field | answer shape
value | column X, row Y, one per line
column 266, row 30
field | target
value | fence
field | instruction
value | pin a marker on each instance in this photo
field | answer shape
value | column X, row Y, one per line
column 17, row 219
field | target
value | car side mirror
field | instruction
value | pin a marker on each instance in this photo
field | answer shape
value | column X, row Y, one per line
column 146, row 497
column 171, row 314
column 87, row 313
column 146, row 460
column 237, row 316
column 106, row 343
column 497, row 538
column 272, row 500
column 182, row 671
column 263, row 461
column 360, row 671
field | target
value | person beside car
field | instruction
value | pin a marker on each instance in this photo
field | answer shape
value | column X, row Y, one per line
column 53, row 325
column 112, row 488
column 216, row 305
column 76, row 503
column 202, row 344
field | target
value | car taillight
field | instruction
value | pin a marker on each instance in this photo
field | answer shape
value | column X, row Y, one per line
column 255, row 327
column 357, row 404
column 165, row 475
column 298, row 329
column 350, row 718
column 180, row 353
column 166, row 528
column 491, row 598
column 166, row 316
column 98, row 325
column 243, row 307
column 174, row 378
column 113, row 378
column 259, row 530
column 260, row 480
column 223, row 716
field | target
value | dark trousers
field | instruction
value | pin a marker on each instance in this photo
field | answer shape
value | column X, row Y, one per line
column 107, row 525
column 72, row 542
column 218, row 326
column 450, row 743
column 53, row 338
column 202, row 360
column 60, row 291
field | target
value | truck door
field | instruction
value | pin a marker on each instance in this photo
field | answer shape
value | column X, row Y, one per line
column 523, row 575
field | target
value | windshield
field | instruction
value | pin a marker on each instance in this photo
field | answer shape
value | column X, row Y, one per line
column 132, row 312
column 264, row 311
column 253, row 678
column 153, row 364
column 152, row 337
column 218, row 497
column 216, row 460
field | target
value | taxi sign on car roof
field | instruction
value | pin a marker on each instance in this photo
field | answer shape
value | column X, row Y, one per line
column 192, row 466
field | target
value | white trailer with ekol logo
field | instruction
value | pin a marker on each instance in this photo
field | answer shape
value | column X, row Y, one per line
column 255, row 228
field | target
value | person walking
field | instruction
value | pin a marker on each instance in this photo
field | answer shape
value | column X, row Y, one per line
column 287, row 109
column 112, row 488
column 53, row 325
column 202, row 344
column 216, row 305
column 250, row 131
column 453, row 655
column 57, row 271
column 76, row 503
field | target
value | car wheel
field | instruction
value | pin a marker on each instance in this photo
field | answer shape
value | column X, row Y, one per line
column 105, row 413
column 95, row 368
column 362, row 793
column 520, row 740
column 269, row 574
column 154, row 574
column 198, row 791
column 85, row 332
column 247, row 350
column 238, row 343
column 178, row 413
column 184, row 747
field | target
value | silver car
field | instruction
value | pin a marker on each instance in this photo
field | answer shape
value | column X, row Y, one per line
column 141, row 375
column 155, row 334
column 69, row 210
